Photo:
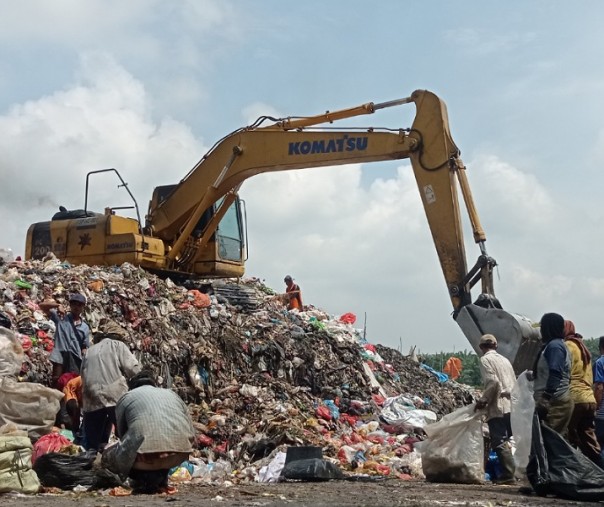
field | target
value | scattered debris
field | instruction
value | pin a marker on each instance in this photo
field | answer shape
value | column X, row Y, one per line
column 256, row 377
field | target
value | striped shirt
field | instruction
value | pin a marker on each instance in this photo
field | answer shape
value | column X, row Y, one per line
column 156, row 415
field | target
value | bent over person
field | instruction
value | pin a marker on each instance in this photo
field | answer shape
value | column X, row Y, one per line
column 155, row 432
column 498, row 380
column 106, row 367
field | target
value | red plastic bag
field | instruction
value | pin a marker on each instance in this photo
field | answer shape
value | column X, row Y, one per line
column 26, row 342
column 53, row 442
column 204, row 441
column 348, row 318
column 378, row 399
column 200, row 300
column 323, row 412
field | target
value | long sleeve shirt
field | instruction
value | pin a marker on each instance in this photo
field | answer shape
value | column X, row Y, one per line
column 105, row 369
column 157, row 416
column 581, row 376
column 498, row 379
column 553, row 371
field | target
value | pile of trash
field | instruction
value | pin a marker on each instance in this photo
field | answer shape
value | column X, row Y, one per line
column 256, row 377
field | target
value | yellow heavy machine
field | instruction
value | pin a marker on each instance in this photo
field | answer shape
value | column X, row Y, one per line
column 197, row 227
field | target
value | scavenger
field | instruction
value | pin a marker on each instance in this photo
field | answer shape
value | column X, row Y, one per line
column 106, row 367
column 71, row 338
column 293, row 294
column 551, row 373
column 150, row 442
column 498, row 380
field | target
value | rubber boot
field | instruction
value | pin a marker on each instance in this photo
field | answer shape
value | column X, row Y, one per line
column 506, row 461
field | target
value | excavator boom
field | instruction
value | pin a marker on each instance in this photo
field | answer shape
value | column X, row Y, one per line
column 195, row 227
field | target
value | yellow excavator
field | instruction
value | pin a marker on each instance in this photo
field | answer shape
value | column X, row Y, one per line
column 197, row 227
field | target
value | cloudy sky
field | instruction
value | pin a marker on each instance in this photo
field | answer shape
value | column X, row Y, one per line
column 147, row 86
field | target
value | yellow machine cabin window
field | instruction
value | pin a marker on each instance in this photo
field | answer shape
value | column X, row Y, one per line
column 229, row 235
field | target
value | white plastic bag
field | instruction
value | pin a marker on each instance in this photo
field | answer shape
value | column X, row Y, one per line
column 401, row 410
column 454, row 449
column 523, row 406
column 272, row 471
column 11, row 353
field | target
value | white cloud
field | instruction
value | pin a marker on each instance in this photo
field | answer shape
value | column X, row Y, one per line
column 353, row 246
column 103, row 120
column 501, row 186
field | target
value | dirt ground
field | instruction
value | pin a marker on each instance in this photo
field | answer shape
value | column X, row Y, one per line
column 323, row 494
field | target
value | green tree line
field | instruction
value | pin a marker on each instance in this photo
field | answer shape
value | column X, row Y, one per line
column 470, row 373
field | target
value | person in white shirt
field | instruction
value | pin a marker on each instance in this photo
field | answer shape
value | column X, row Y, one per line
column 105, row 370
column 498, row 379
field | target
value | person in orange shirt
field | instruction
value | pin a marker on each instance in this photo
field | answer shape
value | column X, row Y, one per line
column 453, row 367
column 293, row 294
column 73, row 401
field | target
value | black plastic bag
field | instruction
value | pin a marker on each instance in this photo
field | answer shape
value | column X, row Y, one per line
column 312, row 469
column 556, row 468
column 66, row 472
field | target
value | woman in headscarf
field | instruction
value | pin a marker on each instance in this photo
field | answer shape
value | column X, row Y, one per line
column 552, row 376
column 581, row 428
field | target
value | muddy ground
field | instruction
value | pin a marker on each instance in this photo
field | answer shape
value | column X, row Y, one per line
column 324, row 494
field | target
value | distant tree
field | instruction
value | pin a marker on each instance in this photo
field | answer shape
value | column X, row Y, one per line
column 592, row 345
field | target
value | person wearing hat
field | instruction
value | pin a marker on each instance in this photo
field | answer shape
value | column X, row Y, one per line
column 107, row 365
column 293, row 294
column 71, row 338
column 498, row 380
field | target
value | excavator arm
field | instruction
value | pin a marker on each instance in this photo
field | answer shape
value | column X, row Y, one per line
column 295, row 144
column 298, row 144
column 188, row 225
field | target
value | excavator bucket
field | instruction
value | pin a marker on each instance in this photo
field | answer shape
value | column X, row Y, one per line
column 518, row 338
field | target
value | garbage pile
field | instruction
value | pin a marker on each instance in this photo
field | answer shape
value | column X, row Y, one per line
column 256, row 377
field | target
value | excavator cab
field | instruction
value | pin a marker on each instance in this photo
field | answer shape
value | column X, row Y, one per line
column 225, row 250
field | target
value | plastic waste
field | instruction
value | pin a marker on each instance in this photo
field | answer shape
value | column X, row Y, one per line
column 555, row 468
column 523, row 407
column 66, row 472
column 6, row 255
column 454, row 450
column 313, row 469
column 272, row 471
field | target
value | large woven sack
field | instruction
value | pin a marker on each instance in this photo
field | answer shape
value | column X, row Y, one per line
column 31, row 407
column 16, row 473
